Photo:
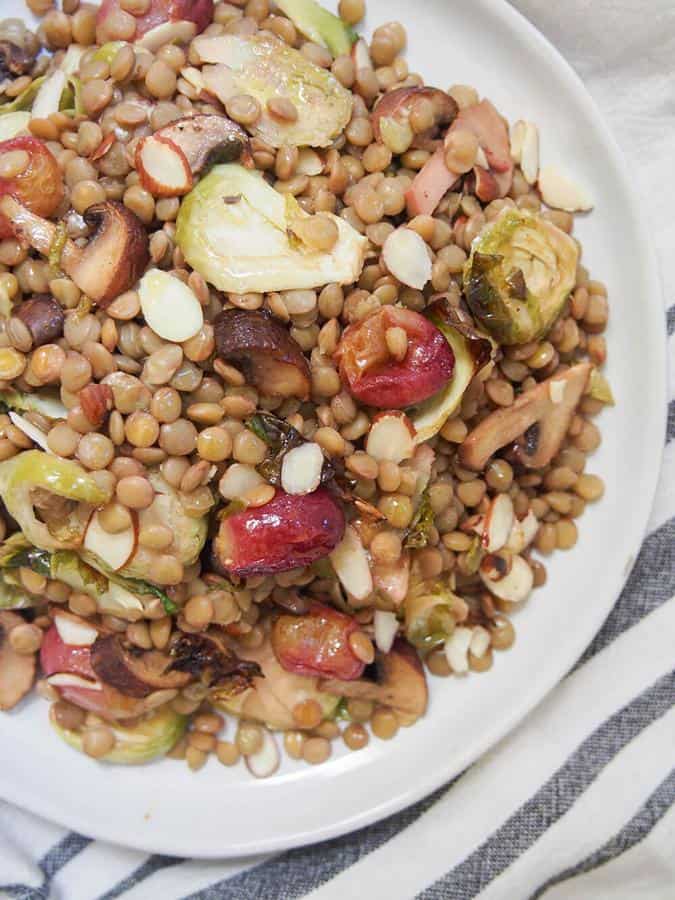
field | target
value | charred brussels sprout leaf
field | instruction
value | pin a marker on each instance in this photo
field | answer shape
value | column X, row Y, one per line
column 429, row 619
column 519, row 275
column 417, row 536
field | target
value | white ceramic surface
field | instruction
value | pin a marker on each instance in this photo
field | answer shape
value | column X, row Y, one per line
column 221, row 812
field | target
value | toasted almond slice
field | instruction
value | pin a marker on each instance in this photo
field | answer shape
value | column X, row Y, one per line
column 529, row 157
column 301, row 469
column 350, row 562
column 515, row 586
column 65, row 679
column 238, row 480
column 391, row 437
column 481, row 159
column 193, row 77
column 163, row 167
column 498, row 523
column 361, row 55
column 560, row 192
column 30, row 430
column 517, row 136
column 386, row 628
column 556, row 391
column 170, row 308
column 523, row 533
column 265, row 761
column 457, row 650
column 406, row 256
column 480, row 641
column 114, row 549
column 179, row 32
column 73, row 632
column 309, row 162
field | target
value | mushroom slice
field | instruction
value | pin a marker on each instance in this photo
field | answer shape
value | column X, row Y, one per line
column 168, row 159
column 268, row 69
column 396, row 679
column 17, row 671
column 134, row 672
column 111, row 262
column 212, row 661
column 263, row 348
column 538, row 421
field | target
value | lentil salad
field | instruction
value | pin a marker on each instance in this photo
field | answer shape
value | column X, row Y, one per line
column 378, row 405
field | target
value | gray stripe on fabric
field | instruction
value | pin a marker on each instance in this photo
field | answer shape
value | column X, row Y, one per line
column 670, row 430
column 555, row 798
column 651, row 583
column 153, row 864
column 631, row 834
column 54, row 860
column 670, row 320
column 297, row 872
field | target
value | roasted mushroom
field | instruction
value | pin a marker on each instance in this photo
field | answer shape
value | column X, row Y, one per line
column 209, row 658
column 395, row 679
column 17, row 670
column 112, row 261
column 537, row 421
column 265, row 352
column 39, row 187
column 14, row 60
column 43, row 317
column 134, row 672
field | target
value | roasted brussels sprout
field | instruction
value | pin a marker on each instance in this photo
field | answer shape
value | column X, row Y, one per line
column 518, row 276
column 319, row 25
column 146, row 740
column 429, row 619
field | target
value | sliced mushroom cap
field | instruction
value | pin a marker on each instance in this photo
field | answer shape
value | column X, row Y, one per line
column 537, row 421
column 17, row 671
column 14, row 60
column 43, row 317
column 134, row 672
column 264, row 350
column 397, row 680
column 112, row 261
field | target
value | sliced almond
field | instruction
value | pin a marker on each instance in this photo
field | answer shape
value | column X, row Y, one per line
column 65, row 679
column 523, row 533
column 529, row 157
column 559, row 191
column 391, row 437
column 301, row 469
column 495, row 566
column 457, row 650
column 180, row 32
column 265, row 761
column 30, row 430
column 481, row 159
column 193, row 77
column 170, row 308
column 238, row 480
column 406, row 256
column 386, row 628
column 309, row 163
column 515, row 586
column 114, row 549
column 163, row 167
column 557, row 391
column 480, row 641
column 498, row 523
column 361, row 55
column 75, row 632
column 516, row 138
column 350, row 562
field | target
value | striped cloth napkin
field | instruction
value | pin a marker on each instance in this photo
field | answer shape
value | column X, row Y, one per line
column 579, row 802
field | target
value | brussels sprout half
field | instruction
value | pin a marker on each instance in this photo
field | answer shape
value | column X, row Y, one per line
column 429, row 619
column 150, row 738
column 62, row 490
column 518, row 276
column 235, row 230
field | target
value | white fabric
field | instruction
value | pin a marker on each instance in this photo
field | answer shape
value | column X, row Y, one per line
column 625, row 52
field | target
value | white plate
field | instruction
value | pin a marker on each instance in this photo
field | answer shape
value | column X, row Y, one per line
column 219, row 812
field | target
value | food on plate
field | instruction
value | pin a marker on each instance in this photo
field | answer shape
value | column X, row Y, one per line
column 298, row 373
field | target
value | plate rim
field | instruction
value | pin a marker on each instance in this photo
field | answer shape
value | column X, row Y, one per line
column 529, row 699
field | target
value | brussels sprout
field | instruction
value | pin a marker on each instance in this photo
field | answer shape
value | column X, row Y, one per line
column 429, row 619
column 150, row 738
column 14, row 553
column 518, row 276
column 46, row 403
column 319, row 25
column 233, row 229
column 62, row 490
column 25, row 99
column 273, row 697
column 472, row 352
column 267, row 69
column 417, row 535
column 600, row 389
